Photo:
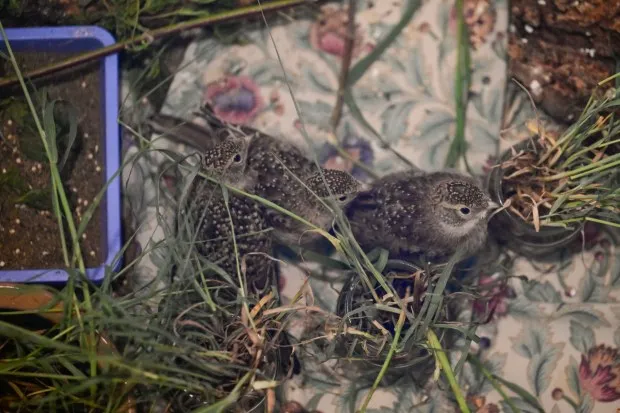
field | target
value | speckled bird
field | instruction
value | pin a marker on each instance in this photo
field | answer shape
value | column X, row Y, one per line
column 284, row 175
column 208, row 211
column 227, row 162
column 412, row 212
column 306, row 200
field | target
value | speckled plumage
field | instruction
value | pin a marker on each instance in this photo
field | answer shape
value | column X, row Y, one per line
column 252, row 237
column 302, row 201
column 278, row 167
column 414, row 212
column 212, row 221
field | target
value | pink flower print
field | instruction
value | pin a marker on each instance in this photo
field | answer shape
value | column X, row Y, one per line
column 235, row 99
column 329, row 32
column 599, row 373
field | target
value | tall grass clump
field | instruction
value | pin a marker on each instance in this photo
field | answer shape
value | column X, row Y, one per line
column 572, row 178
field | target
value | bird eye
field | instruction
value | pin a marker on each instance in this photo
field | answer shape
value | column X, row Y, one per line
column 464, row 211
column 342, row 198
column 237, row 158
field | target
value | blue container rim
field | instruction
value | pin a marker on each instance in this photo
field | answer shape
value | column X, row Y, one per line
column 112, row 154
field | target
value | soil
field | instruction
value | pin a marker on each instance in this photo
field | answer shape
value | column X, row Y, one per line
column 561, row 49
column 29, row 234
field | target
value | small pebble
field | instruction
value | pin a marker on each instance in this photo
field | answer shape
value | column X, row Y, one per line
column 44, row 253
column 17, row 251
column 86, row 135
column 3, row 170
column 83, row 85
column 98, row 168
column 11, row 231
column 17, row 221
column 33, row 169
column 9, row 122
column 542, row 2
column 79, row 200
column 18, row 161
column 2, row 263
column 528, row 28
column 90, row 156
column 83, row 236
column 96, row 148
column 74, row 189
column 85, row 202
column 524, row 41
column 92, row 253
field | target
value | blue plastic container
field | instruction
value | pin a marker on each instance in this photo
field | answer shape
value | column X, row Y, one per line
column 72, row 39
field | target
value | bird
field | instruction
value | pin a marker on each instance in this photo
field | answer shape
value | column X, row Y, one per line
column 227, row 162
column 211, row 217
column 424, row 214
column 309, row 199
column 280, row 170
column 287, row 177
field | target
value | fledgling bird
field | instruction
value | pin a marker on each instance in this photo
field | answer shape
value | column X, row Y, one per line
column 285, row 176
column 306, row 200
column 227, row 162
column 210, row 216
column 277, row 167
column 413, row 212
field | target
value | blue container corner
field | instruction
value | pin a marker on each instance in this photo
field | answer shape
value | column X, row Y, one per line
column 76, row 39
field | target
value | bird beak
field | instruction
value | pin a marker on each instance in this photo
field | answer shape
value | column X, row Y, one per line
column 493, row 206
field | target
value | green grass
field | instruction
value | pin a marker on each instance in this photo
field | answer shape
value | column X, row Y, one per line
column 207, row 329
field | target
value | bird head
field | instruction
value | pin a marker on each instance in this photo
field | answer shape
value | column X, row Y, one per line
column 227, row 161
column 341, row 187
column 460, row 203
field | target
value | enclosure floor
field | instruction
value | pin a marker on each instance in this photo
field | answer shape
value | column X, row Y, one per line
column 543, row 336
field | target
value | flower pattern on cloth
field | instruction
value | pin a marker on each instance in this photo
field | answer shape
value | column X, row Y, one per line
column 553, row 329
column 235, row 99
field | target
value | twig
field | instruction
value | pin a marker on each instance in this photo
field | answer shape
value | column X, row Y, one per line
column 152, row 35
column 345, row 66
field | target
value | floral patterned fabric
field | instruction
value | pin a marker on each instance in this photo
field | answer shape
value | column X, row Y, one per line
column 555, row 335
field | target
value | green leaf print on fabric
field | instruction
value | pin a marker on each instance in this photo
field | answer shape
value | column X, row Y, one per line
column 545, row 293
column 265, row 73
column 542, row 366
column 588, row 289
column 317, row 113
column 522, row 405
column 415, row 70
column 522, row 307
column 586, row 405
column 583, row 313
column 530, row 342
column 581, row 337
column 572, row 376
column 534, row 343
column 317, row 81
column 395, row 121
